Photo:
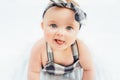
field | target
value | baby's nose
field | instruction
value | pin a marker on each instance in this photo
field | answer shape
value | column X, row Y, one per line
column 60, row 32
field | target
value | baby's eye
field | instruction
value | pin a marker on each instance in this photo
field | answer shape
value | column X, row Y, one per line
column 69, row 28
column 53, row 25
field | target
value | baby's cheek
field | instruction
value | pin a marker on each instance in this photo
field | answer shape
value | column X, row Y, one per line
column 73, row 38
column 48, row 35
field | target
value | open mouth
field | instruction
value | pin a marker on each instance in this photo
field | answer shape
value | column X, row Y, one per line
column 60, row 42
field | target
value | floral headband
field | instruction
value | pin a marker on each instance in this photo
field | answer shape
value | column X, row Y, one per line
column 79, row 14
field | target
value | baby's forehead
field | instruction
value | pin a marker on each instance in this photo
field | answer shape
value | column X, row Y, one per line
column 55, row 9
column 58, row 13
column 60, row 20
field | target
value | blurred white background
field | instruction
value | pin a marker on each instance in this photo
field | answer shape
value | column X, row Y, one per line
column 20, row 29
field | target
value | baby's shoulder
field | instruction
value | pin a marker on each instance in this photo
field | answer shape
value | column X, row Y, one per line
column 82, row 47
column 38, row 46
column 40, row 43
column 85, row 57
column 81, row 44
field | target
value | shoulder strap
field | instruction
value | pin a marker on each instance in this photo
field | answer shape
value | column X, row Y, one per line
column 49, row 53
column 75, row 51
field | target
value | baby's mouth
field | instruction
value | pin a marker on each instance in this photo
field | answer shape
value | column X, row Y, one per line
column 60, row 42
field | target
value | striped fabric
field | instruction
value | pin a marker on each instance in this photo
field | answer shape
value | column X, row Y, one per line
column 57, row 69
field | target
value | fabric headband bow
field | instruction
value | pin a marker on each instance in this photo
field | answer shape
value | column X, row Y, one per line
column 79, row 14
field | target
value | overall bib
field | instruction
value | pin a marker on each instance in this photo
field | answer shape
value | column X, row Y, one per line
column 54, row 71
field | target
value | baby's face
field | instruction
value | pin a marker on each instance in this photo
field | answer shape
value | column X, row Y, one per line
column 60, row 27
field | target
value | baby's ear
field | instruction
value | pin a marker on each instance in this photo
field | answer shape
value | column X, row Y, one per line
column 42, row 24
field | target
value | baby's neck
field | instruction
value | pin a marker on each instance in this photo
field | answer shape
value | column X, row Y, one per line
column 64, row 51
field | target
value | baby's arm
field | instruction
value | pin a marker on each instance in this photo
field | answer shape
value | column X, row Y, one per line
column 86, row 61
column 35, row 62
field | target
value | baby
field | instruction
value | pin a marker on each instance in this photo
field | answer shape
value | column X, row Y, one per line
column 60, row 55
